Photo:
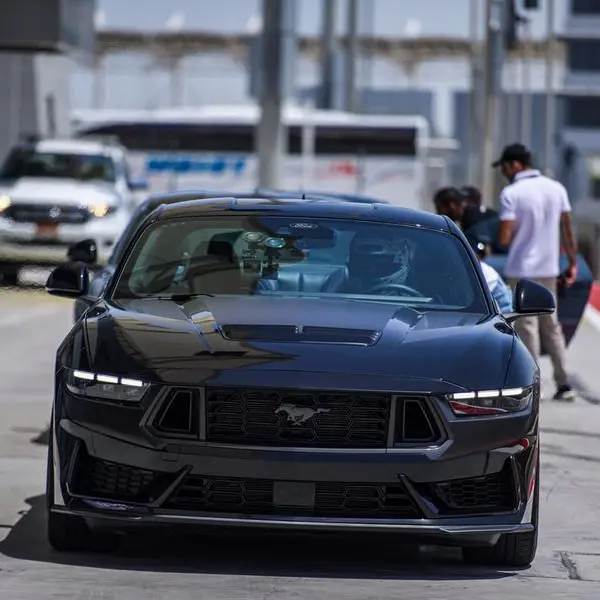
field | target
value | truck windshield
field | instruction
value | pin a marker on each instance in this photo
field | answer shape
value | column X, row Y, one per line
column 31, row 163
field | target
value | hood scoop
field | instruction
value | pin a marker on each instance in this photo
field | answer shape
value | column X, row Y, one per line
column 298, row 334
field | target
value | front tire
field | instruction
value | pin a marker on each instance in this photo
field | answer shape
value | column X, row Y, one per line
column 512, row 549
column 70, row 533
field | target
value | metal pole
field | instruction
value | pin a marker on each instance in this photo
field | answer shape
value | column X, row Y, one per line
column 492, row 24
column 550, row 92
column 473, row 126
column 526, row 96
column 278, row 36
column 351, row 55
column 327, row 54
column 308, row 146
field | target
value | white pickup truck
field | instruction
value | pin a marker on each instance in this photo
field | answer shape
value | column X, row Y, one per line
column 55, row 192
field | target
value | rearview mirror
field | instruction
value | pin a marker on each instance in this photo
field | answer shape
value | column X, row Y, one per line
column 531, row 299
column 85, row 251
column 70, row 280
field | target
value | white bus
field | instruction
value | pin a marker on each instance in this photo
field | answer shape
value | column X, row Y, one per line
column 213, row 147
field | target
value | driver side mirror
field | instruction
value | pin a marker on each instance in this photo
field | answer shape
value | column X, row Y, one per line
column 531, row 299
column 85, row 251
column 70, row 280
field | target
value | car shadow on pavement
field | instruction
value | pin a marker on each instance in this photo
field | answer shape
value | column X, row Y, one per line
column 250, row 555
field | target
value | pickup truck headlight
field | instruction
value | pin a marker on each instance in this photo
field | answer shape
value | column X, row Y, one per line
column 106, row 387
column 101, row 209
column 490, row 402
column 5, row 202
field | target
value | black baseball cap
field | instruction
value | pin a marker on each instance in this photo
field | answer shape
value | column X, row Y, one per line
column 514, row 152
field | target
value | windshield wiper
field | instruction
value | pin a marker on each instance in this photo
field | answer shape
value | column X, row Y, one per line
column 187, row 297
column 178, row 297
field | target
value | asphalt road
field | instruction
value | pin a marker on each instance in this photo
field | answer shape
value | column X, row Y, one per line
column 568, row 564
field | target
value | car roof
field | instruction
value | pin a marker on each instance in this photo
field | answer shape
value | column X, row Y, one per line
column 322, row 194
column 72, row 146
column 309, row 207
column 156, row 200
column 348, row 197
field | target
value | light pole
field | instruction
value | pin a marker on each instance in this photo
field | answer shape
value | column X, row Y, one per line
column 277, row 50
column 493, row 67
column 550, row 92
column 473, row 113
column 328, row 48
column 351, row 55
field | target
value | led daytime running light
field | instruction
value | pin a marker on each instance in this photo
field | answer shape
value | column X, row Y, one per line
column 107, row 379
column 490, row 402
column 510, row 392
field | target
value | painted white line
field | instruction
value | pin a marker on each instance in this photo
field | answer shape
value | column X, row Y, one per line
column 25, row 314
column 592, row 316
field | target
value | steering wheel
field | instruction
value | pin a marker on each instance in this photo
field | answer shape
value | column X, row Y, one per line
column 395, row 287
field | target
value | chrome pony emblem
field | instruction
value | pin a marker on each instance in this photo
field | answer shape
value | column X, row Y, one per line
column 298, row 415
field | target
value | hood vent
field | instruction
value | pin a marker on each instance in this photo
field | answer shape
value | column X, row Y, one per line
column 296, row 334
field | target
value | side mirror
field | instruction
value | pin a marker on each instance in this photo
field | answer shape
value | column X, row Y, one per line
column 85, row 251
column 531, row 299
column 138, row 185
column 69, row 280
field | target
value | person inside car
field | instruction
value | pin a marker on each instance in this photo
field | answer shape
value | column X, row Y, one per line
column 376, row 262
column 500, row 291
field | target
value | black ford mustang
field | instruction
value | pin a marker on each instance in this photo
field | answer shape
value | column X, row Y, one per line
column 306, row 365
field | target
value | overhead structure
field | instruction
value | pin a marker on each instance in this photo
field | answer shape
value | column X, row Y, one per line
column 401, row 49
column 36, row 37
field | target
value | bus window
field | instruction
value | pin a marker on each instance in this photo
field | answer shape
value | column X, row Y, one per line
column 184, row 137
column 355, row 141
column 329, row 139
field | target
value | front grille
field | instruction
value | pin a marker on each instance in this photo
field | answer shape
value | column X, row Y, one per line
column 96, row 478
column 321, row 499
column 494, row 492
column 266, row 417
column 47, row 213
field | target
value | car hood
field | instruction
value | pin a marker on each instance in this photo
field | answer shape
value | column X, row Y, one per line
column 59, row 191
column 243, row 340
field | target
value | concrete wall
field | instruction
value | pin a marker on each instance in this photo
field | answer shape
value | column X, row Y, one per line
column 30, row 84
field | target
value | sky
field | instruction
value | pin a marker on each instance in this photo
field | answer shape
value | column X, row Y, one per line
column 389, row 17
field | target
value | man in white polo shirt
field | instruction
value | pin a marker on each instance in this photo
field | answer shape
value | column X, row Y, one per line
column 534, row 212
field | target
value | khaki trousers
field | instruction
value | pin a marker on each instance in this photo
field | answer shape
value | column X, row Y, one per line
column 547, row 329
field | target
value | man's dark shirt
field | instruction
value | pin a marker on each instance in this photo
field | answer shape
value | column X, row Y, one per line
column 474, row 215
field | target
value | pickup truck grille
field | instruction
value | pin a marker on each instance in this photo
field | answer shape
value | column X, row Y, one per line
column 47, row 213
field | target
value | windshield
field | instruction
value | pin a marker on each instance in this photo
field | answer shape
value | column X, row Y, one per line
column 83, row 167
column 290, row 256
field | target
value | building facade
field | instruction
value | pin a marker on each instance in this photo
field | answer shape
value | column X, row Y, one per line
column 580, row 133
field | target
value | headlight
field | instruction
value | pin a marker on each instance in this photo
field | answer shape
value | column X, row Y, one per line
column 490, row 402
column 5, row 202
column 106, row 387
column 101, row 209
